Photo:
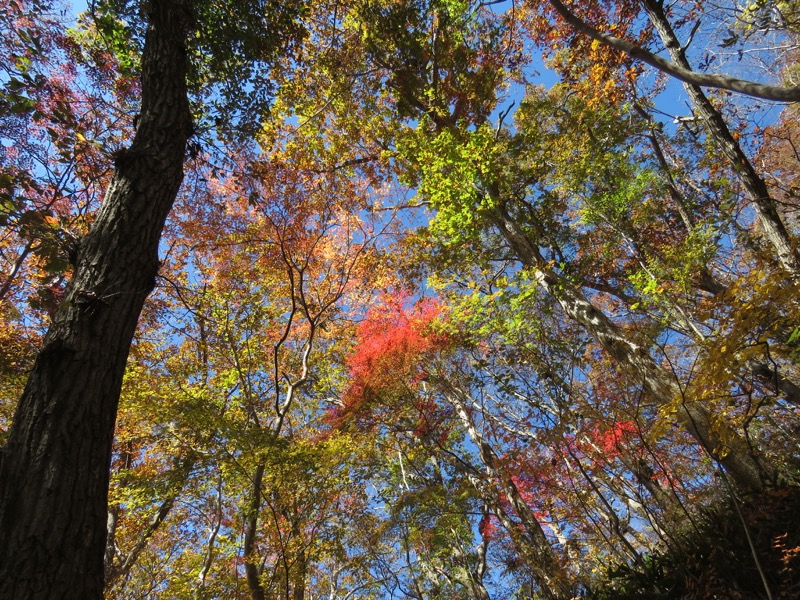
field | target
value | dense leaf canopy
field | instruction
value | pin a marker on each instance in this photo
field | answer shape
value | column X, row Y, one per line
column 457, row 299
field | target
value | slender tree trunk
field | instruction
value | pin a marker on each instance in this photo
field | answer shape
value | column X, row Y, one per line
column 551, row 576
column 775, row 381
column 774, row 229
column 116, row 570
column 251, row 530
column 54, row 470
column 476, row 575
column 733, row 453
column 300, row 566
column 607, row 510
column 679, row 70
column 200, row 590
column 472, row 582
column 645, row 476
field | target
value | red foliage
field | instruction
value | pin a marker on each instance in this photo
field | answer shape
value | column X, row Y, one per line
column 488, row 526
column 615, row 436
column 528, row 486
column 391, row 344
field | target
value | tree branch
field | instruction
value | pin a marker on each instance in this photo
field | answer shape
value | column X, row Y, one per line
column 750, row 88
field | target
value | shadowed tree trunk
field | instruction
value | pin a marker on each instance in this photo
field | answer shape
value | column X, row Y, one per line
column 251, row 567
column 54, row 469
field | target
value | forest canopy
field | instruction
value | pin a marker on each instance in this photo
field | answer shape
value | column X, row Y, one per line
column 400, row 299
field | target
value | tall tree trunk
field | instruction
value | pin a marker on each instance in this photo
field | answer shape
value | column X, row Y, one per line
column 251, row 568
column 300, row 566
column 644, row 474
column 54, row 470
column 774, row 229
column 733, row 452
column 551, row 576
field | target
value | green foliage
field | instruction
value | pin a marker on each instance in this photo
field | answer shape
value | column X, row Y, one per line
column 506, row 309
column 382, row 171
column 105, row 28
column 232, row 47
column 613, row 205
column 449, row 170
column 452, row 76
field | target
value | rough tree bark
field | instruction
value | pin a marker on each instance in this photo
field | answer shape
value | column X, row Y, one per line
column 54, row 469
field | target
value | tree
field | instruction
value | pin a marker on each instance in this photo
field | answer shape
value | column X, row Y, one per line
column 424, row 328
column 54, row 465
column 282, row 253
column 474, row 194
column 679, row 68
column 774, row 229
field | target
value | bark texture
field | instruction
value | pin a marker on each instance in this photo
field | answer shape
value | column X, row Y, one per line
column 251, row 567
column 54, row 469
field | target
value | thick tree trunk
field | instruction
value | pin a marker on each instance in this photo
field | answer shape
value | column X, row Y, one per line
column 54, row 469
column 733, row 453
